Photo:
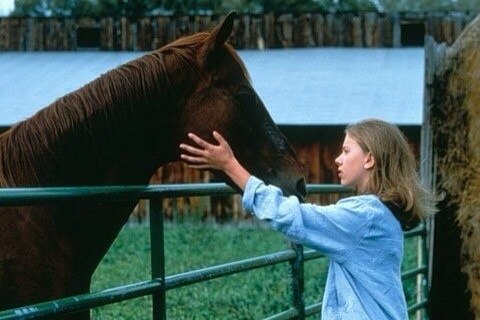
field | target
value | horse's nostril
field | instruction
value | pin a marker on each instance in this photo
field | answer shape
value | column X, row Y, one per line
column 301, row 187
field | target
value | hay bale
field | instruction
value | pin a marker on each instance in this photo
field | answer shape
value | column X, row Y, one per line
column 456, row 128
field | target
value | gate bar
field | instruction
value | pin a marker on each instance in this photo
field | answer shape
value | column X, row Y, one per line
column 84, row 301
column 298, row 281
column 157, row 258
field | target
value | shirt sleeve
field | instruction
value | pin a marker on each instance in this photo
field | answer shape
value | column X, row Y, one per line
column 334, row 230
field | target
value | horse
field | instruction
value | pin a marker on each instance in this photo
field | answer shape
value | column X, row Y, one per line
column 116, row 130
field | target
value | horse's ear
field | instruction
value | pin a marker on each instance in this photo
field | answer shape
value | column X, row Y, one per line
column 219, row 35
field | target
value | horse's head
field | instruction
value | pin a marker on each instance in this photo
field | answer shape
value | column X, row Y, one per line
column 219, row 96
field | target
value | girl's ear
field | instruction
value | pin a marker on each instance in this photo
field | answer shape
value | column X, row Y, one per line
column 369, row 161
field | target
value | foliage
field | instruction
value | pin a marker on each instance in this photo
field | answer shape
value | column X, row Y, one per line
column 124, row 7
column 290, row 6
column 348, row 5
column 253, row 294
column 427, row 5
column 46, row 8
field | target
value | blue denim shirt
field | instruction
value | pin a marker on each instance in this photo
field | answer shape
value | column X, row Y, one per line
column 360, row 235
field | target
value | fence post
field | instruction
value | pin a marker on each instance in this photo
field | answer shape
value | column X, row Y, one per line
column 157, row 257
column 434, row 55
column 422, row 282
column 298, row 281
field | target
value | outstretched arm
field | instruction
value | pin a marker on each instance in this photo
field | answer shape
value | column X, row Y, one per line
column 218, row 157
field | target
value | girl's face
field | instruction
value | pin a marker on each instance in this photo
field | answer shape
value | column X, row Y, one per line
column 354, row 165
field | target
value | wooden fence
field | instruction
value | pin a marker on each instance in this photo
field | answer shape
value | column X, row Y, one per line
column 360, row 29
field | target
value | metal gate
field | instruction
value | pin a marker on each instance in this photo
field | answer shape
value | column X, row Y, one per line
column 296, row 256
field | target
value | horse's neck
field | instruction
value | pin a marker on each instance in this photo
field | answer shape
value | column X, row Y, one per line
column 119, row 142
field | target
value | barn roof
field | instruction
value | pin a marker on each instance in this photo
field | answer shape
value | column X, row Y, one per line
column 314, row 86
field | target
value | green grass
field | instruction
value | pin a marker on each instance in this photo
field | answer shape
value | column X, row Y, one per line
column 253, row 294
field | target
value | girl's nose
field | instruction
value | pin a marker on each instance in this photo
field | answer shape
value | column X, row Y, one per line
column 337, row 161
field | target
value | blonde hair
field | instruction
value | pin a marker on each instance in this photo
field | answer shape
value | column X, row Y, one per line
column 394, row 178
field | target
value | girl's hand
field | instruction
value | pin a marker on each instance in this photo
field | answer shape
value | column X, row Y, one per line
column 217, row 157
column 208, row 156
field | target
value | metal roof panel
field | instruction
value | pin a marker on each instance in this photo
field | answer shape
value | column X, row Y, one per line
column 307, row 86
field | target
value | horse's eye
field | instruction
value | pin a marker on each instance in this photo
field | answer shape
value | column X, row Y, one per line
column 246, row 98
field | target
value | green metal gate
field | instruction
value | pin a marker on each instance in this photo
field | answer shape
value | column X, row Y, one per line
column 296, row 256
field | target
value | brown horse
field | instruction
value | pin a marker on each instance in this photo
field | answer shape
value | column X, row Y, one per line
column 117, row 130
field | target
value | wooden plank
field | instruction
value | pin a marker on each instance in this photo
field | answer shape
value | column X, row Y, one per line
column 339, row 30
column 160, row 35
column 396, row 31
column 245, row 40
column 458, row 23
column 447, row 30
column 347, row 29
column 306, row 30
column 357, row 32
column 106, row 33
column 318, row 27
column 269, row 30
column 285, row 30
column 124, row 27
column 372, row 35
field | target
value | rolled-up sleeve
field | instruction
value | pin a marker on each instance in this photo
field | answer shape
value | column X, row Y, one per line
column 334, row 230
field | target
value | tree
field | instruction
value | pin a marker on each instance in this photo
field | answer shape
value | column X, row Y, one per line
column 48, row 8
column 289, row 5
column 125, row 7
column 427, row 5
column 33, row 8
column 471, row 5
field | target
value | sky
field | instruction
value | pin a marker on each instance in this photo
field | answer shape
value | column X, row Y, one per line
column 5, row 7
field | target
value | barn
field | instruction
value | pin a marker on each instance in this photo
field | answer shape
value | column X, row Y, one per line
column 311, row 93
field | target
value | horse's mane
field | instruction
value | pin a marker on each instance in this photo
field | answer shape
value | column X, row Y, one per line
column 30, row 149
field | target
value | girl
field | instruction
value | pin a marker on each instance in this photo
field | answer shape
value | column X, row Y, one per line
column 362, row 235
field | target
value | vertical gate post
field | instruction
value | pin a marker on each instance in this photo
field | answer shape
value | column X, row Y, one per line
column 157, row 257
column 298, row 281
column 433, row 53
column 421, row 278
column 425, row 244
